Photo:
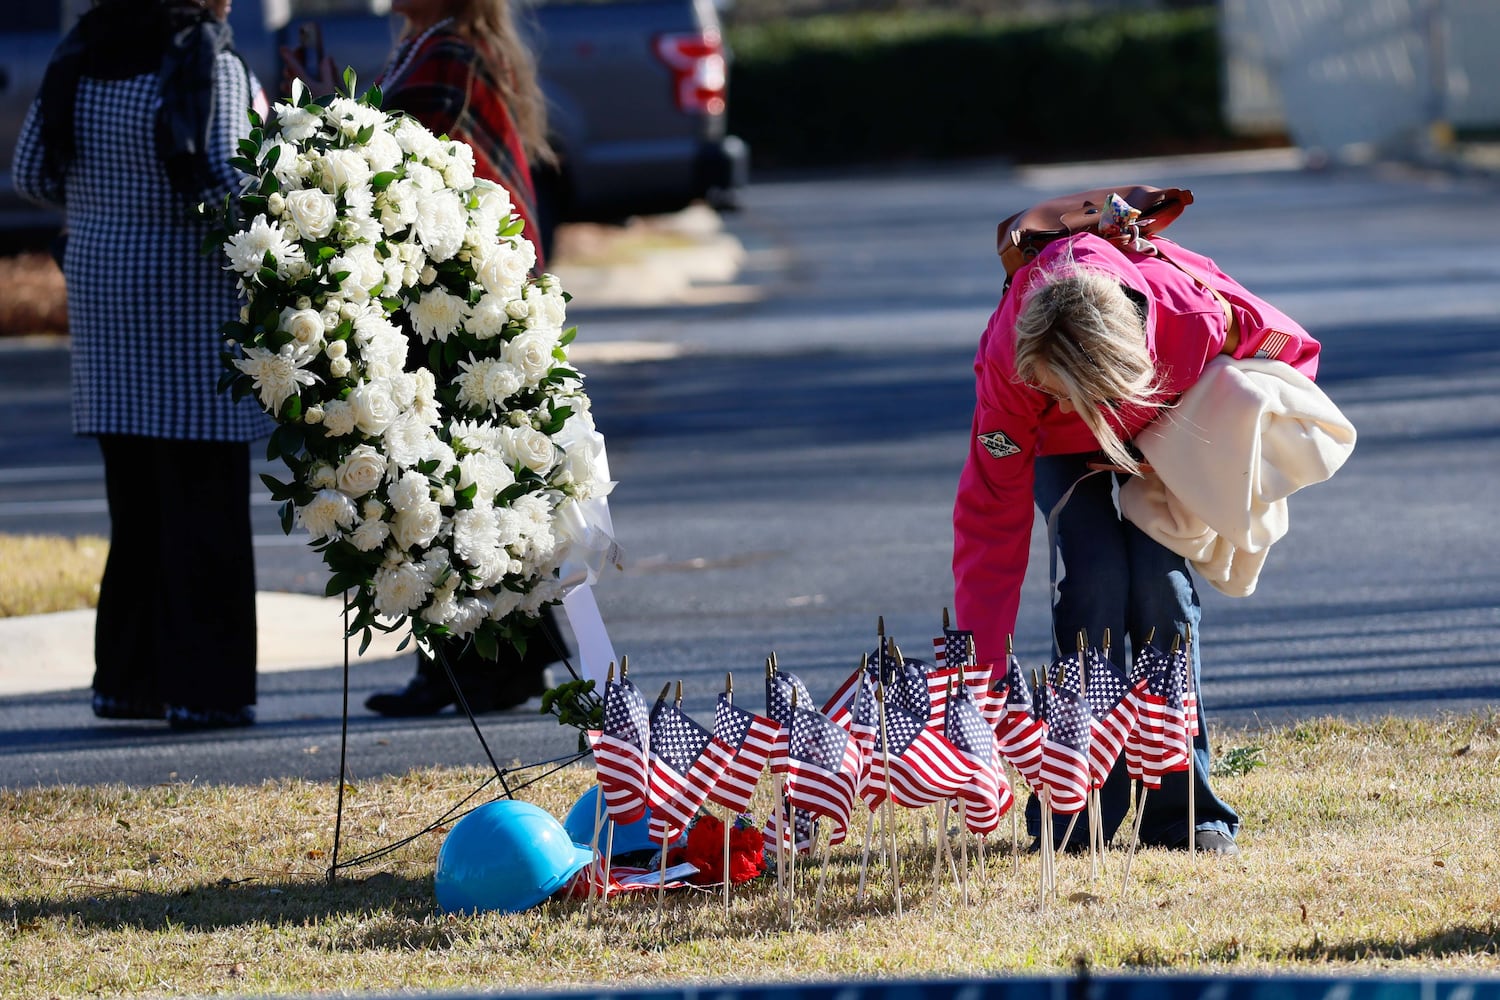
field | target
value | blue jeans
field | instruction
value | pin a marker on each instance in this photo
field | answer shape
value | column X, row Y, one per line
column 1115, row 576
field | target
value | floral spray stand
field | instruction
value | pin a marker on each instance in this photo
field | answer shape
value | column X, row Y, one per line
column 442, row 454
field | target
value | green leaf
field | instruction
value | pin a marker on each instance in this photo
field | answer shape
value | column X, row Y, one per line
column 567, row 336
column 349, row 79
column 363, row 135
column 382, row 180
column 464, row 499
column 288, row 517
column 364, row 641
column 248, row 146
column 374, row 96
column 279, row 490
column 486, row 646
column 269, row 184
column 243, row 164
column 273, row 156
column 291, row 410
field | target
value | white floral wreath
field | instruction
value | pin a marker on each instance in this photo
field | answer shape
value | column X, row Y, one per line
column 449, row 505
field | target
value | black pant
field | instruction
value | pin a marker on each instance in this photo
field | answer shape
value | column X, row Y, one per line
column 176, row 619
column 511, row 674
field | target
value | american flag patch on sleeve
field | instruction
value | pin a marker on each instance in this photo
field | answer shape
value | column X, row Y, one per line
column 1272, row 344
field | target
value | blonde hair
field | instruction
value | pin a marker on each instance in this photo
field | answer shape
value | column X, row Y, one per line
column 1080, row 329
column 492, row 26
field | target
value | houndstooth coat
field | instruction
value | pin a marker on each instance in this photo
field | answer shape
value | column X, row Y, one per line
column 144, row 305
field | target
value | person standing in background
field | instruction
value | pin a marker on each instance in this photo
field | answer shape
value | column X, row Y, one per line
column 140, row 110
column 462, row 69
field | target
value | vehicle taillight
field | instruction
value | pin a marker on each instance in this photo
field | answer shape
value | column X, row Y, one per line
column 699, row 73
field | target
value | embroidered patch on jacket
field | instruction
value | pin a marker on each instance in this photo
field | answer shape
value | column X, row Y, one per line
column 1272, row 344
column 998, row 445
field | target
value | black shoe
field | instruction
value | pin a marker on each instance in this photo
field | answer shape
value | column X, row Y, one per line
column 421, row 696
column 1211, row 842
column 185, row 718
column 109, row 707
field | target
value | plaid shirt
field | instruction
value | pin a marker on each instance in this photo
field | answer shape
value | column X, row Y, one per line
column 439, row 79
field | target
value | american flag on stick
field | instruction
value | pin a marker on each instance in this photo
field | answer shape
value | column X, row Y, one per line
column 1113, row 709
column 988, row 795
column 923, row 766
column 685, row 765
column 1157, row 745
column 1021, row 730
column 621, row 751
column 1065, row 750
column 782, row 688
column 749, row 738
column 954, row 649
column 823, row 769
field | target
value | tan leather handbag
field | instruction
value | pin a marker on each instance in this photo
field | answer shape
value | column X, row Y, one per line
column 1022, row 236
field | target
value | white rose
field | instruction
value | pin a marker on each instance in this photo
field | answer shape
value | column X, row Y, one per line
column 305, row 325
column 417, row 527
column 336, row 349
column 312, row 415
column 361, row 471
column 313, row 211
column 503, row 269
column 275, row 203
column 532, row 449
column 339, row 367
column 373, row 407
column 459, row 172
column 531, row 353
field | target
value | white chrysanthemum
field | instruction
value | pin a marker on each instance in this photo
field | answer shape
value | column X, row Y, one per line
column 487, row 318
column 408, row 440
column 436, row 314
column 338, row 418
column 417, row 141
column 468, row 616
column 382, row 345
column 340, row 169
column 547, row 309
column 503, row 268
column 443, row 605
column 396, row 206
column 494, row 204
column 276, row 375
column 543, row 592
column 350, row 116
column 505, row 602
column 476, row 534
column 327, row 512
column 411, row 490
column 382, row 151
column 400, row 589
column 485, row 384
column 489, row 473
column 296, row 124
column 458, row 174
column 440, row 223
column 247, row 249
column 423, row 177
column 510, row 526
column 417, row 526
column 291, row 167
column 475, row 436
column 369, row 534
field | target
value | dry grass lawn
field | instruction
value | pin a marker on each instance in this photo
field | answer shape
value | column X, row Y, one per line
column 1368, row 848
column 46, row 573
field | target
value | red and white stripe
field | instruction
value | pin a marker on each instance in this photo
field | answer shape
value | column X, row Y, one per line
column 674, row 797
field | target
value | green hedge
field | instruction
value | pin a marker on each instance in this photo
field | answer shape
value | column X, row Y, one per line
column 868, row 87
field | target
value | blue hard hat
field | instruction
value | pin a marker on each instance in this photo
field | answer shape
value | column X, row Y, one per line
column 629, row 838
column 506, row 856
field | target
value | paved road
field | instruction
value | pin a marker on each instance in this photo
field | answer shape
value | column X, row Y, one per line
column 786, row 471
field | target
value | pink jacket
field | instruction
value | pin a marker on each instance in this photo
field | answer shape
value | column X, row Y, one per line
column 1013, row 423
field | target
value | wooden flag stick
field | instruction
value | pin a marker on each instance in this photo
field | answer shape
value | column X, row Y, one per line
column 729, row 818
column 1045, row 840
column 791, row 856
column 1135, row 836
column 823, row 872
column 864, row 861
column 945, row 619
column 887, row 806
column 661, row 885
column 609, row 853
column 1192, row 757
column 1088, row 799
column 963, row 849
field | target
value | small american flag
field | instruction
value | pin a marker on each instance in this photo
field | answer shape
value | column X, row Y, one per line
column 782, row 686
column 1065, row 751
column 1113, row 710
column 685, row 764
column 1272, row 344
column 987, row 796
column 1020, row 731
column 620, row 751
column 823, row 769
column 749, row 738
column 1182, row 667
column 798, row 829
column 1157, row 744
column 924, row 767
